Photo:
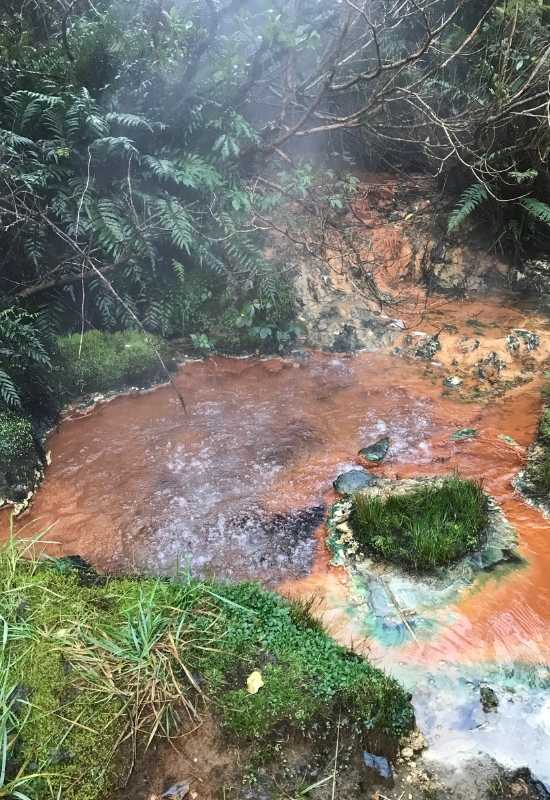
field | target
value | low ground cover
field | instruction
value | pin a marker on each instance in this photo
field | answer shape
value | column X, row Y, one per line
column 429, row 527
column 95, row 668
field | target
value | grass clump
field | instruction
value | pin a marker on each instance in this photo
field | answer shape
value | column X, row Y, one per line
column 94, row 669
column 106, row 361
column 427, row 528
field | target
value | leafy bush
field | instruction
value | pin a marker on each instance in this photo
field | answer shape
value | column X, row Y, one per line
column 24, row 359
column 106, row 361
column 429, row 527
column 103, row 661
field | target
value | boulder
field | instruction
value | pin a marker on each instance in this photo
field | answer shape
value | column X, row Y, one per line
column 376, row 452
column 353, row 481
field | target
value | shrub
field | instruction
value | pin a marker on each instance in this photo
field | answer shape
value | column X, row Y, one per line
column 106, row 361
column 424, row 529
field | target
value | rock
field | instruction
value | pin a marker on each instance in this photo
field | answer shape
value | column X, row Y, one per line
column 488, row 698
column 464, row 434
column 353, row 481
column 519, row 339
column 417, row 741
column 376, row 452
column 407, row 753
column 490, row 367
column 452, row 381
column 379, row 769
column 428, row 348
column 176, row 792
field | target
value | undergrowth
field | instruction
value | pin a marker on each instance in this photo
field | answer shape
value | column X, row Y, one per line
column 430, row 527
column 95, row 668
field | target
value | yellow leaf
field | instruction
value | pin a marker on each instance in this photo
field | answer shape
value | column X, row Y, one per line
column 254, row 682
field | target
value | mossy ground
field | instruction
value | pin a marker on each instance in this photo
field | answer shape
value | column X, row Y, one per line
column 106, row 361
column 430, row 527
column 18, row 456
column 94, row 667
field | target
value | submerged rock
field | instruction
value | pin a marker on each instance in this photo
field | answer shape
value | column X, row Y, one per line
column 521, row 339
column 488, row 698
column 376, row 452
column 464, row 434
column 353, row 481
column 428, row 348
column 378, row 768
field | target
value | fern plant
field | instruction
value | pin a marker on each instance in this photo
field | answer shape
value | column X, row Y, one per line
column 24, row 357
column 469, row 200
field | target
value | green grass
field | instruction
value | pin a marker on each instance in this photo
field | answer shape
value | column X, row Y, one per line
column 106, row 361
column 94, row 669
column 430, row 527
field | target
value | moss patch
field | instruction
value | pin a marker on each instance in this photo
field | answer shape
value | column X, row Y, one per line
column 18, row 457
column 107, row 361
column 534, row 480
column 430, row 527
column 94, row 665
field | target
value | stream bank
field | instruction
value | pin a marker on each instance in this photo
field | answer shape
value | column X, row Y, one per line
column 239, row 487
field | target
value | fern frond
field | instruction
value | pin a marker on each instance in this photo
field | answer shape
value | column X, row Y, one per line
column 536, row 209
column 469, row 200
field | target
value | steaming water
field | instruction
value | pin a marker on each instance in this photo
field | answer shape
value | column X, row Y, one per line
column 237, row 489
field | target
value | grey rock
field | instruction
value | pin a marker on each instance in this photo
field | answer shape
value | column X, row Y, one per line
column 177, row 792
column 376, row 452
column 353, row 481
column 488, row 698
column 452, row 381
column 378, row 768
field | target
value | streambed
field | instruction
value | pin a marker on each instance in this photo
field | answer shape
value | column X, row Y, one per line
column 238, row 489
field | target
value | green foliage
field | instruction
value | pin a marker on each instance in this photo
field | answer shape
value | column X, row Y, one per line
column 469, row 200
column 536, row 209
column 424, row 529
column 100, row 362
column 100, row 661
column 24, row 359
column 118, row 165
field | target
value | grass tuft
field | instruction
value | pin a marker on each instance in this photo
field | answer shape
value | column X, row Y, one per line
column 430, row 527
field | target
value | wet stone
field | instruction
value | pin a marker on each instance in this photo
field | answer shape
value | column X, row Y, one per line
column 488, row 698
column 176, row 792
column 353, row 481
column 376, row 452
column 378, row 769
